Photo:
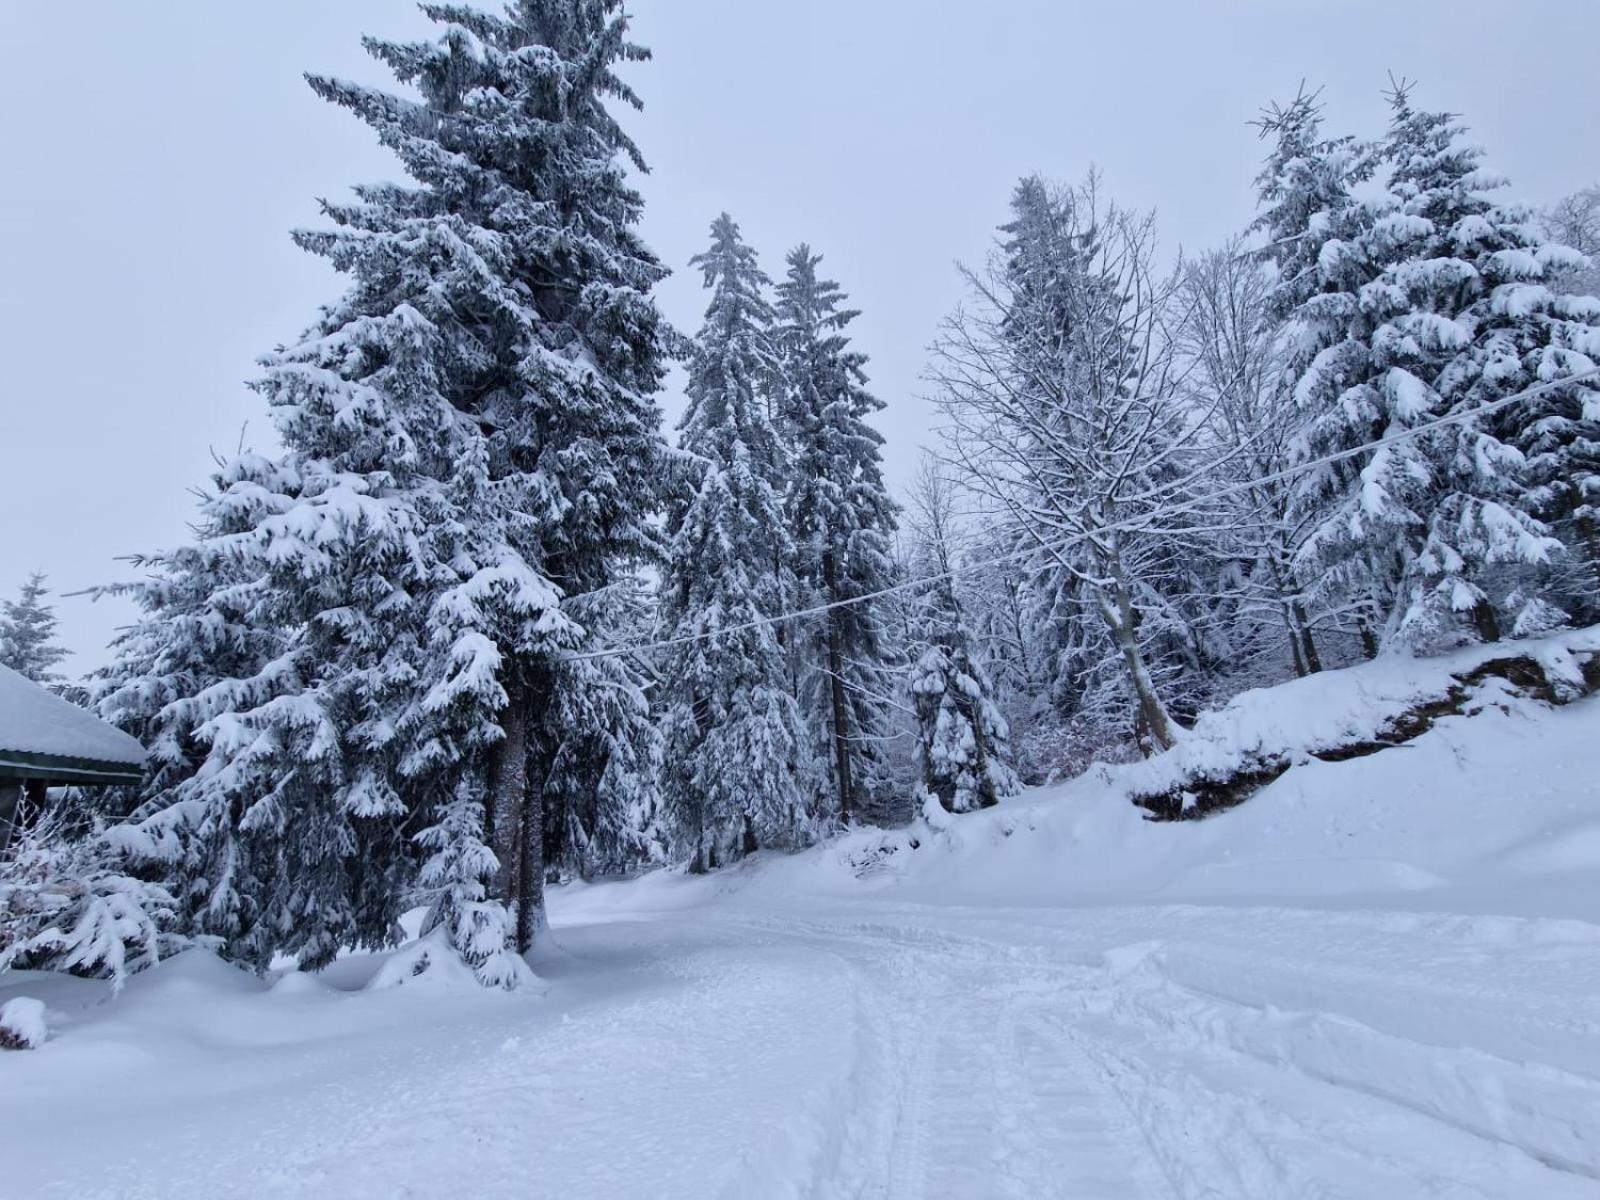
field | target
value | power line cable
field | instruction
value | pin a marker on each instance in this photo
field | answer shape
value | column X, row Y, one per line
column 815, row 610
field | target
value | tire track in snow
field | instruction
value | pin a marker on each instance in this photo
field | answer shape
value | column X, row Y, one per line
column 990, row 1101
column 1079, row 1115
column 1220, row 1122
column 908, row 1154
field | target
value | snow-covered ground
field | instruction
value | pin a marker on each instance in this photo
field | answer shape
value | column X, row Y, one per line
column 1377, row 978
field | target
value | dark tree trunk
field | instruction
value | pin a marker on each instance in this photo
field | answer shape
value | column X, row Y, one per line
column 1369, row 643
column 841, row 714
column 1303, row 646
column 1308, row 644
column 1485, row 622
column 508, row 792
column 530, row 892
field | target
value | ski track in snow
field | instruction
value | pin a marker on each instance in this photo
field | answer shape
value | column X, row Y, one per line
column 873, row 1050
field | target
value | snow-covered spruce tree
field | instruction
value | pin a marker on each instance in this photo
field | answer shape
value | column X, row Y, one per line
column 1306, row 194
column 171, row 674
column 734, row 737
column 1465, row 320
column 964, row 742
column 841, row 518
column 1315, row 229
column 469, row 441
column 67, row 905
column 27, row 633
column 1456, row 317
column 550, row 356
column 1067, row 416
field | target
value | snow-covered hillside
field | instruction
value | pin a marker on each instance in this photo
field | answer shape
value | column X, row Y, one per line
column 1374, row 978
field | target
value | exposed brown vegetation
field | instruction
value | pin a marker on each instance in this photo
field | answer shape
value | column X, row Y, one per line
column 1199, row 797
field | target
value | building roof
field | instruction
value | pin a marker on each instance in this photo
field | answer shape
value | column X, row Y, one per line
column 45, row 737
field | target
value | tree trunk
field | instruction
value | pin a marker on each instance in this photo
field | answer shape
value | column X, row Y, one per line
column 1295, row 655
column 1122, row 620
column 530, row 892
column 1369, row 642
column 1308, row 644
column 508, row 791
column 1306, row 659
column 841, row 715
column 1484, row 621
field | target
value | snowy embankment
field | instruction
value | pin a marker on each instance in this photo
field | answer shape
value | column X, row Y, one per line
column 1376, row 977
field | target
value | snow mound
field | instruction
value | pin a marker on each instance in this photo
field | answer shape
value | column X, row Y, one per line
column 22, row 1024
column 433, row 962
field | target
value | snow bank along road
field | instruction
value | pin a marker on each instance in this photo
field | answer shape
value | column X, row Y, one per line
column 867, row 1047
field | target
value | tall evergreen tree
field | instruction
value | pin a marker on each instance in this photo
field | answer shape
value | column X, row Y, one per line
column 735, row 742
column 1315, row 230
column 27, row 633
column 1436, row 306
column 842, row 519
column 470, row 448
column 1463, row 320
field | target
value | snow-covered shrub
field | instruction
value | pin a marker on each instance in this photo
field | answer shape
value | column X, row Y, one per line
column 22, row 1024
column 66, row 906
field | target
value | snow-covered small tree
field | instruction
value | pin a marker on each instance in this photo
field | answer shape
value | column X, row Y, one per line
column 842, row 519
column 195, row 633
column 456, row 874
column 735, row 745
column 67, row 904
column 964, row 741
column 27, row 633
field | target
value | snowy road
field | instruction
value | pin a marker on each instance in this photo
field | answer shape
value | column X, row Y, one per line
column 868, row 1049
column 1072, row 1054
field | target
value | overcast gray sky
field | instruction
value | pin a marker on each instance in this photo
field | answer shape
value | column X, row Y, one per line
column 158, row 151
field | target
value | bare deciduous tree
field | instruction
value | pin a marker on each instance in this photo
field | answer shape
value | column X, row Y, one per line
column 1066, row 397
column 1238, row 381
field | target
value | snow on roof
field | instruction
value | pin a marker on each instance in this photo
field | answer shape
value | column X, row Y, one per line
column 34, row 721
